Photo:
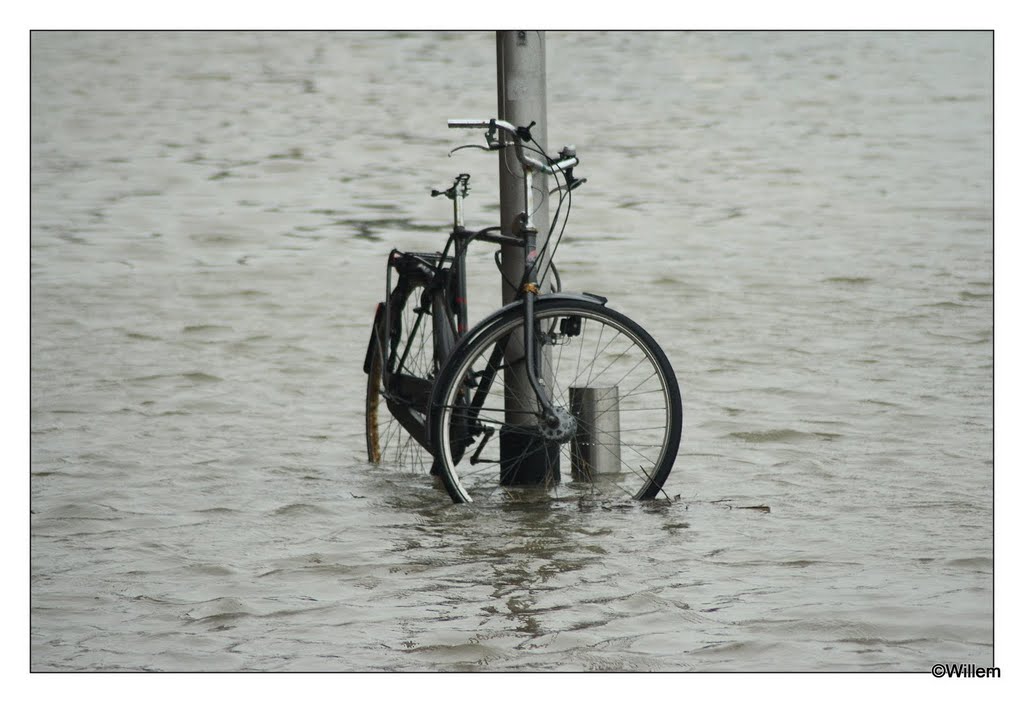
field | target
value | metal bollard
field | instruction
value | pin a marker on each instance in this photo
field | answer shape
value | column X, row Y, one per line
column 595, row 448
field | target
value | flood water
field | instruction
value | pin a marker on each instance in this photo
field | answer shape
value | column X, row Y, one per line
column 802, row 220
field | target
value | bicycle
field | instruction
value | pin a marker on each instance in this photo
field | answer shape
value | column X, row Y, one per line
column 561, row 379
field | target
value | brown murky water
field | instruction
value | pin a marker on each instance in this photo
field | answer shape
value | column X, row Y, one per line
column 803, row 220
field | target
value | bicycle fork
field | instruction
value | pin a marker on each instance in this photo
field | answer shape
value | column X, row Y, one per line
column 557, row 424
column 534, row 360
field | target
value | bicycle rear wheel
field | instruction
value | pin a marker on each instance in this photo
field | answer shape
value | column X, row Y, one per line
column 400, row 376
column 602, row 369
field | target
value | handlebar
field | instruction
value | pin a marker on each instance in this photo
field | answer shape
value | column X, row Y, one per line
column 518, row 134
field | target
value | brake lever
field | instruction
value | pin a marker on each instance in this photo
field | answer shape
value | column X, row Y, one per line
column 491, row 146
column 467, row 146
column 576, row 183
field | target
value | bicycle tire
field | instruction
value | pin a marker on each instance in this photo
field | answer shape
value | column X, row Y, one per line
column 388, row 442
column 646, row 436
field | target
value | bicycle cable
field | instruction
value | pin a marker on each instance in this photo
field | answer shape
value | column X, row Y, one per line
column 565, row 192
column 498, row 262
column 565, row 221
column 556, row 285
column 537, row 189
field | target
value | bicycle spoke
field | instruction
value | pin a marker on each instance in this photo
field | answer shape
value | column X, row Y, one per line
column 628, row 383
column 412, row 354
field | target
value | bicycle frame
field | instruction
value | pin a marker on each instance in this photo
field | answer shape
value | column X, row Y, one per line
column 497, row 395
column 448, row 291
column 443, row 277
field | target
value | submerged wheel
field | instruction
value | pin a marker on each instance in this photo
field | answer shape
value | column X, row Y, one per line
column 410, row 353
column 618, row 419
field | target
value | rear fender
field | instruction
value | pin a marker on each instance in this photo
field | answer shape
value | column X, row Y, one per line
column 378, row 318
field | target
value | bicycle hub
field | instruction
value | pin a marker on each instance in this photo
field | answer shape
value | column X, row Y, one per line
column 558, row 426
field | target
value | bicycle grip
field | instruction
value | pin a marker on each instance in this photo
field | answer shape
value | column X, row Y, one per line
column 468, row 124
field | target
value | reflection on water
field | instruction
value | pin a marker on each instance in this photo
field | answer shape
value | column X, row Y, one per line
column 802, row 220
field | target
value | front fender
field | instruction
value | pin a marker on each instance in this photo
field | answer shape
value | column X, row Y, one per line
column 484, row 326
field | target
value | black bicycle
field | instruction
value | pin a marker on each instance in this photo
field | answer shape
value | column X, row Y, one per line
column 554, row 392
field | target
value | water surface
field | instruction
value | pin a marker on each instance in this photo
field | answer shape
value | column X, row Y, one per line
column 803, row 220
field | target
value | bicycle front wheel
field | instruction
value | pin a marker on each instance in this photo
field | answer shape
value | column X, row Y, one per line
column 612, row 386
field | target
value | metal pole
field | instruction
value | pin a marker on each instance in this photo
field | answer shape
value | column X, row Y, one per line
column 522, row 99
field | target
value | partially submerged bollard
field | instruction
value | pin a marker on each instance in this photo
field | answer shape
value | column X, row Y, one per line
column 595, row 447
